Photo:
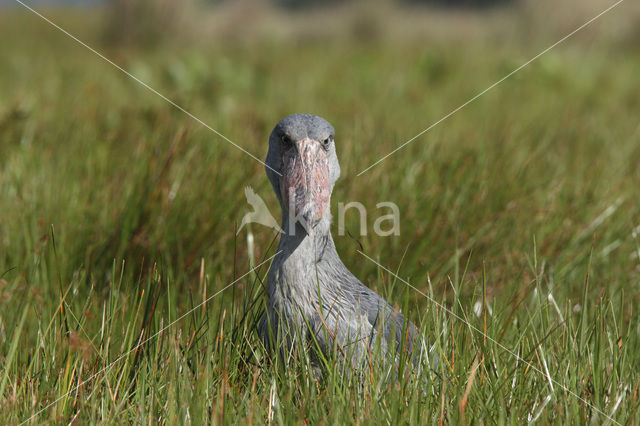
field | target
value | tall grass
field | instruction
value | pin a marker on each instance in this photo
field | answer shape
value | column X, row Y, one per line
column 518, row 215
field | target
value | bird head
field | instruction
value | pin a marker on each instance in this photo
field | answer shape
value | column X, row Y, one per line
column 303, row 167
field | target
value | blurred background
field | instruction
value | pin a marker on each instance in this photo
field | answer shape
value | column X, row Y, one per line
column 115, row 205
column 528, row 169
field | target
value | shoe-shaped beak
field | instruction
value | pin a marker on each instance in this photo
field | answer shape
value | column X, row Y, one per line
column 304, row 185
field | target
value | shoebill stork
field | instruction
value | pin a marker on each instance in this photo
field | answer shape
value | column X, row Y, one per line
column 313, row 299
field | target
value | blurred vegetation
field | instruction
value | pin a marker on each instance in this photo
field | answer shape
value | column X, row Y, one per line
column 145, row 21
column 299, row 4
column 520, row 213
column 463, row 3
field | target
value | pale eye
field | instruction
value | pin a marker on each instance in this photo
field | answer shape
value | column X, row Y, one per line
column 327, row 142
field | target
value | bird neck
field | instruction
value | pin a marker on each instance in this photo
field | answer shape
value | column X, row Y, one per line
column 310, row 246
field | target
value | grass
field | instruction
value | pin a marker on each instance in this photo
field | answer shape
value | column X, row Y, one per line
column 519, row 215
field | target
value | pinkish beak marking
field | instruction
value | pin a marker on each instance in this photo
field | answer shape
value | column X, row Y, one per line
column 304, row 185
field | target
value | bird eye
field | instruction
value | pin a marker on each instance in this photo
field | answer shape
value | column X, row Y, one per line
column 327, row 142
column 286, row 141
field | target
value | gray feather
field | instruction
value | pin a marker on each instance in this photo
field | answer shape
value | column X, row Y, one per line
column 311, row 293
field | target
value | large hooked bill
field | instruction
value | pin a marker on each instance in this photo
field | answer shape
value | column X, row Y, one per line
column 304, row 185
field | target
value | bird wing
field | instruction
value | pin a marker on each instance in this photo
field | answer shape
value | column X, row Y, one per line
column 256, row 201
column 251, row 195
column 381, row 314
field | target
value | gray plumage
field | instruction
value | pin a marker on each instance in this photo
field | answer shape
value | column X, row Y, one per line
column 312, row 296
